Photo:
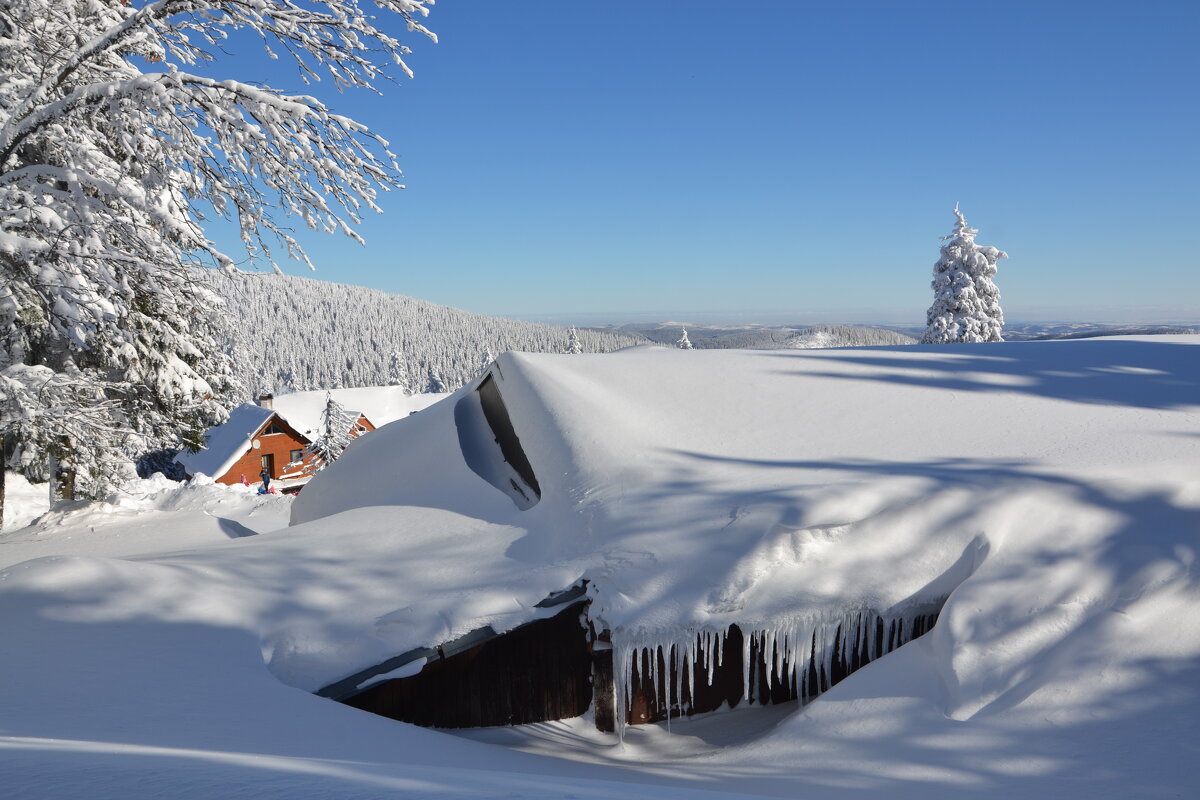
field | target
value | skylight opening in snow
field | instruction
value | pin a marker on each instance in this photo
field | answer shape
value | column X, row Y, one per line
column 491, row 447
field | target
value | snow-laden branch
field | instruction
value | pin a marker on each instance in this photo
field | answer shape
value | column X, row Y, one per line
column 109, row 171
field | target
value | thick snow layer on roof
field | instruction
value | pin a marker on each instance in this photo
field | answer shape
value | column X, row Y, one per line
column 227, row 442
column 380, row 404
column 699, row 489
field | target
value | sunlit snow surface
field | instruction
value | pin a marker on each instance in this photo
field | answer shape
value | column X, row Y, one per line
column 1053, row 487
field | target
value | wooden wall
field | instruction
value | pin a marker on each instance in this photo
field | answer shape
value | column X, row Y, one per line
column 537, row 672
column 546, row 670
column 280, row 445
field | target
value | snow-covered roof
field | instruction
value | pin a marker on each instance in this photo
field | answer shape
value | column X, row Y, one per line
column 772, row 489
column 379, row 404
column 227, row 442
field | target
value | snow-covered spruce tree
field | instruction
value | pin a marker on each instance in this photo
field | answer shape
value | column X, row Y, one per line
column 338, row 429
column 111, row 155
column 434, row 383
column 684, row 343
column 966, row 302
column 398, row 374
column 485, row 361
column 574, row 346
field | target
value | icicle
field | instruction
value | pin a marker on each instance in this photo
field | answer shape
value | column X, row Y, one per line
column 689, row 658
column 654, row 674
column 789, row 660
column 668, row 677
column 681, row 653
column 826, row 656
column 622, row 666
column 775, row 667
column 767, row 655
column 746, row 691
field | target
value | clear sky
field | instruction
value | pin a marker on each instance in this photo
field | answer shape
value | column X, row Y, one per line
column 781, row 160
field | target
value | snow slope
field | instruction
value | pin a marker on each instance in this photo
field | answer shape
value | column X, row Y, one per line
column 1049, row 488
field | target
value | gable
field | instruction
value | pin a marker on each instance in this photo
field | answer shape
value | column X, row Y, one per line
column 227, row 443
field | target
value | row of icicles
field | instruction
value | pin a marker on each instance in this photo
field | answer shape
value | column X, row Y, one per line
column 656, row 677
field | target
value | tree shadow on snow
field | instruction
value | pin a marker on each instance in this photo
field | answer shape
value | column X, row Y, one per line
column 1162, row 375
column 1125, row 723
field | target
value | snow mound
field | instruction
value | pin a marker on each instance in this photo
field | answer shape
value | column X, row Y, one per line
column 780, row 490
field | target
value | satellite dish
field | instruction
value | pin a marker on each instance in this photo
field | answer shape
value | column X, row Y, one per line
column 257, row 444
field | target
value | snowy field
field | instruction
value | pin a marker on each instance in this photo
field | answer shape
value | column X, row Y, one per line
column 167, row 643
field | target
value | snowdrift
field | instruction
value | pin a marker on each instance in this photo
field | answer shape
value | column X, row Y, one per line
column 1044, row 494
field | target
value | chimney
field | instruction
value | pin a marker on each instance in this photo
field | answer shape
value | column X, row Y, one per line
column 267, row 401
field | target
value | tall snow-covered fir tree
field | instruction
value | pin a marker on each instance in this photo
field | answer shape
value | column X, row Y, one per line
column 684, row 343
column 398, row 374
column 112, row 153
column 966, row 302
column 574, row 346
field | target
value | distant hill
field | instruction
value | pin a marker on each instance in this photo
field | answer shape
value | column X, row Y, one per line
column 1041, row 331
column 1086, row 330
column 705, row 337
column 297, row 334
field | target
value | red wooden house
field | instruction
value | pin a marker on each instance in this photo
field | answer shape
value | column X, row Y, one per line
column 256, row 438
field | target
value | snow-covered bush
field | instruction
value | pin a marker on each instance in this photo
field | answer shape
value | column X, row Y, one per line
column 684, row 343
column 966, row 302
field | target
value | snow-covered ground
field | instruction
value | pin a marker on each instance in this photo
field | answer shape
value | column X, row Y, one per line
column 1050, row 488
column 145, row 517
column 24, row 501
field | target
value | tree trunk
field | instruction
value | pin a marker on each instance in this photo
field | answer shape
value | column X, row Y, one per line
column 3, row 469
column 62, row 476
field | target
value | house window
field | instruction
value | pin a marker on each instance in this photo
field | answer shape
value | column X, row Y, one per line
column 274, row 427
column 296, row 456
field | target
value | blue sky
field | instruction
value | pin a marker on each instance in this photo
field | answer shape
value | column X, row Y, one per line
column 784, row 161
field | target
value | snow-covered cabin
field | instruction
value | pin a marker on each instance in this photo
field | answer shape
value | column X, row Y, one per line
column 1047, row 491
column 254, row 438
column 654, row 533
